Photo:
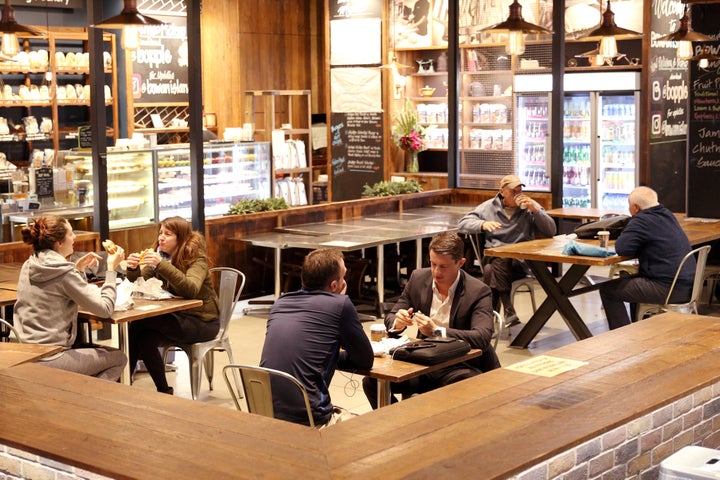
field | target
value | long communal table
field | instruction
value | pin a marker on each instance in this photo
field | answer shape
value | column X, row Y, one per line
column 358, row 234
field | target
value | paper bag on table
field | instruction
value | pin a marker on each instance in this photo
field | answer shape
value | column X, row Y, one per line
column 123, row 296
column 150, row 289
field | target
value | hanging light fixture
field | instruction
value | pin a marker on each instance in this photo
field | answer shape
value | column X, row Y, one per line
column 516, row 28
column 129, row 20
column 684, row 36
column 608, row 33
column 11, row 29
column 704, row 58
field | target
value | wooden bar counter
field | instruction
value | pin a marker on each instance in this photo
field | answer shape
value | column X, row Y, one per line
column 631, row 398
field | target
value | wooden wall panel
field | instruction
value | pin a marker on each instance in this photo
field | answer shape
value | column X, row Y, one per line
column 257, row 45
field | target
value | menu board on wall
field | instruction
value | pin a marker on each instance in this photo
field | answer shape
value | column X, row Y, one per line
column 160, row 73
column 703, row 170
column 669, row 91
column 357, row 153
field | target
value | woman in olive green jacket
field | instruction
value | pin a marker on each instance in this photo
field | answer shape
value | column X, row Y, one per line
column 179, row 259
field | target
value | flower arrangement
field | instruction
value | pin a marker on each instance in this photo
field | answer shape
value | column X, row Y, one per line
column 409, row 135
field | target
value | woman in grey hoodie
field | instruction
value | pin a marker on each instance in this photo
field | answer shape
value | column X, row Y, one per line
column 51, row 289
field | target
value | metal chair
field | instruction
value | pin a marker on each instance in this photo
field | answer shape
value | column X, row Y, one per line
column 690, row 306
column 498, row 327
column 10, row 328
column 258, row 389
column 711, row 275
column 197, row 353
column 523, row 285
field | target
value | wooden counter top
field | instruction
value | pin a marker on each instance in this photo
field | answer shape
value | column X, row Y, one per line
column 492, row 426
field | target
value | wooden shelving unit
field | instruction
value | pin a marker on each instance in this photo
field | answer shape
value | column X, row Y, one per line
column 289, row 111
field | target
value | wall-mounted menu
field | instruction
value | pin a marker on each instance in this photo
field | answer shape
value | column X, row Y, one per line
column 703, row 172
column 668, row 107
column 357, row 153
column 160, row 64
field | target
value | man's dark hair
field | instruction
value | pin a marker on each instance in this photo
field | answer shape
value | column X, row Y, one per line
column 448, row 243
column 321, row 267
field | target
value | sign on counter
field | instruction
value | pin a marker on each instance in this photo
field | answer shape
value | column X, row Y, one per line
column 44, row 182
column 357, row 153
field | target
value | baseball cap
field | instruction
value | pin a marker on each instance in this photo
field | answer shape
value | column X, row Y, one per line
column 510, row 181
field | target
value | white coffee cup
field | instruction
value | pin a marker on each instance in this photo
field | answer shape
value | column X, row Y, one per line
column 604, row 237
column 522, row 205
column 377, row 332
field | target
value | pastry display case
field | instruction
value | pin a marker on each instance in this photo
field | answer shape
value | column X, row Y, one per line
column 130, row 173
column 233, row 171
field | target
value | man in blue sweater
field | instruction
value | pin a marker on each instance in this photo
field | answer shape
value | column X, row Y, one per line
column 311, row 332
column 654, row 236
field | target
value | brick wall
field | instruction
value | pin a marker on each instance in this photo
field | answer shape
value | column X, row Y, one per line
column 634, row 451
column 19, row 464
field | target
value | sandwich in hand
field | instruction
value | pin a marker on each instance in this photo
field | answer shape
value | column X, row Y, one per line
column 142, row 255
column 109, row 246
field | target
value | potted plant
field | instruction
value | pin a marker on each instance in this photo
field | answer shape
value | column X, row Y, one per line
column 409, row 135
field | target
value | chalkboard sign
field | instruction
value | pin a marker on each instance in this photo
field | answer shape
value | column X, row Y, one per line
column 85, row 137
column 668, row 108
column 44, row 182
column 160, row 63
column 357, row 153
column 704, row 139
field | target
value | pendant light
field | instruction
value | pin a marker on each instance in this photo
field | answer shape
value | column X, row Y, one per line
column 129, row 20
column 11, row 29
column 608, row 33
column 704, row 58
column 684, row 36
column 516, row 28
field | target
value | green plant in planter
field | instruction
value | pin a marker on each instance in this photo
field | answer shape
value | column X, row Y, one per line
column 244, row 207
column 387, row 189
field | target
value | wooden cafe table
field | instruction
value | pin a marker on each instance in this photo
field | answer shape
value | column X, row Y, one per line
column 12, row 354
column 537, row 253
column 143, row 309
column 386, row 371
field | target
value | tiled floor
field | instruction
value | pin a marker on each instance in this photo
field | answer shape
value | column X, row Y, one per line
column 247, row 333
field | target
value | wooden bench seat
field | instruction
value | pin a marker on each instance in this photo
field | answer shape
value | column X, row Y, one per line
column 656, row 380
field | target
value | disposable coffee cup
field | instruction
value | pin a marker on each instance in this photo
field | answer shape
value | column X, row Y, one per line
column 377, row 332
column 604, row 237
column 522, row 205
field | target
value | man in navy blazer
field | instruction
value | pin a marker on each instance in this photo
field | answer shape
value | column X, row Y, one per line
column 443, row 300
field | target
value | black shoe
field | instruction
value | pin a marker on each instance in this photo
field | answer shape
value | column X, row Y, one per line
column 169, row 391
column 512, row 321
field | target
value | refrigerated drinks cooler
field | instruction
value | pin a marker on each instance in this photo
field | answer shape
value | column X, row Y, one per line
column 600, row 137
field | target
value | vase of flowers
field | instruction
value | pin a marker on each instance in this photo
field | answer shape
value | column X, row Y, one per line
column 409, row 135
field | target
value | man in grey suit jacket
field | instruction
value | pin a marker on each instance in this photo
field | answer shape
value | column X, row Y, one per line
column 443, row 300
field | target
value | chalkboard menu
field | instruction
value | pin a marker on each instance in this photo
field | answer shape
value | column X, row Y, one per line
column 160, row 64
column 703, row 170
column 357, row 153
column 44, row 182
column 668, row 107
column 85, row 137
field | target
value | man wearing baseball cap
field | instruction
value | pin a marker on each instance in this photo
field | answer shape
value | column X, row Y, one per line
column 509, row 217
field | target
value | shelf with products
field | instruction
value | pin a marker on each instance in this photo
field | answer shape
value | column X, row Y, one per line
column 232, row 172
column 284, row 118
column 130, row 180
column 51, row 74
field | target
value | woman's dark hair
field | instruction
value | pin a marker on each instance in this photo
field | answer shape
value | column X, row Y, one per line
column 44, row 232
column 320, row 268
column 191, row 245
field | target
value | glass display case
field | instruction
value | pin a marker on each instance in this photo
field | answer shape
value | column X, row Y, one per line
column 131, row 196
column 232, row 172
